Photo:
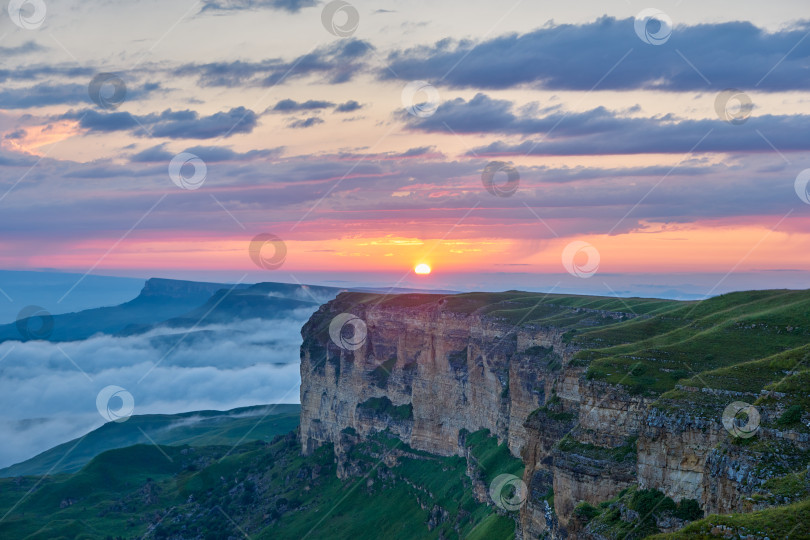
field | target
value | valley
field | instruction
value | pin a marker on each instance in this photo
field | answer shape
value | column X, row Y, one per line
column 610, row 412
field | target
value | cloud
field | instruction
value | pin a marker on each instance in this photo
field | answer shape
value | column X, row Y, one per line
column 336, row 63
column 45, row 94
column 608, row 52
column 46, row 71
column 349, row 106
column 601, row 131
column 440, row 189
column 417, row 152
column 186, row 124
column 25, row 48
column 292, row 6
column 14, row 159
column 209, row 154
column 291, row 106
column 154, row 154
column 654, row 136
column 45, row 399
column 305, row 123
column 425, row 152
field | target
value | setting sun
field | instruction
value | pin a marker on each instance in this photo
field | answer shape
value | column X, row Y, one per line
column 422, row 269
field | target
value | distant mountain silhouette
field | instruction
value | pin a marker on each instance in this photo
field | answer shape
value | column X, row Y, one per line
column 182, row 304
column 160, row 299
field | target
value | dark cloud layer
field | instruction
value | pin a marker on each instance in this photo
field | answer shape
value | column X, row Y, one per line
column 46, row 71
column 292, row 6
column 335, row 63
column 349, row 106
column 305, row 122
column 576, row 200
column 47, row 93
column 291, row 106
column 25, row 48
column 186, row 124
column 600, row 131
column 209, row 154
column 576, row 57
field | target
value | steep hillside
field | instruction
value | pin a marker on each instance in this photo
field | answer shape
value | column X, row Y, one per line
column 260, row 490
column 200, row 428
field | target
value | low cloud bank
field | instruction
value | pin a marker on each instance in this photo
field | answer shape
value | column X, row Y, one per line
column 48, row 390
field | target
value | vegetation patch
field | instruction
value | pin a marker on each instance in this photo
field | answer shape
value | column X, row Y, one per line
column 624, row 453
column 791, row 416
column 634, row 513
column 382, row 406
column 791, row 521
column 261, row 490
column 493, row 459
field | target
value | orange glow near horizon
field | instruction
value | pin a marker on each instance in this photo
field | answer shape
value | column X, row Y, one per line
column 682, row 248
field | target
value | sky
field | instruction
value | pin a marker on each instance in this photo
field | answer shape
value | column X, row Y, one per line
column 608, row 146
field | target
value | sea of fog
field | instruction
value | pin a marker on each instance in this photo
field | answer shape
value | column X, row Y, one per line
column 48, row 391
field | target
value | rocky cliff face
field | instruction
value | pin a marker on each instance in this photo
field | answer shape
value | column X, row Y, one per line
column 685, row 451
column 585, row 443
column 672, row 453
column 428, row 367
column 456, row 371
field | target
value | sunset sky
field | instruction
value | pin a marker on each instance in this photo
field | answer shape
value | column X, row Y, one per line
column 628, row 147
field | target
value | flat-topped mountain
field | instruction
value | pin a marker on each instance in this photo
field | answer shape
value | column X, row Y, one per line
column 174, row 303
column 600, row 397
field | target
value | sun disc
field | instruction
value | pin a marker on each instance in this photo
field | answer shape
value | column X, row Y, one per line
column 422, row 269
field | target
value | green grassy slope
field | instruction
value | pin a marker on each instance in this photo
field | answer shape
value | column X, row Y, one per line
column 783, row 522
column 196, row 429
column 264, row 490
column 651, row 355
